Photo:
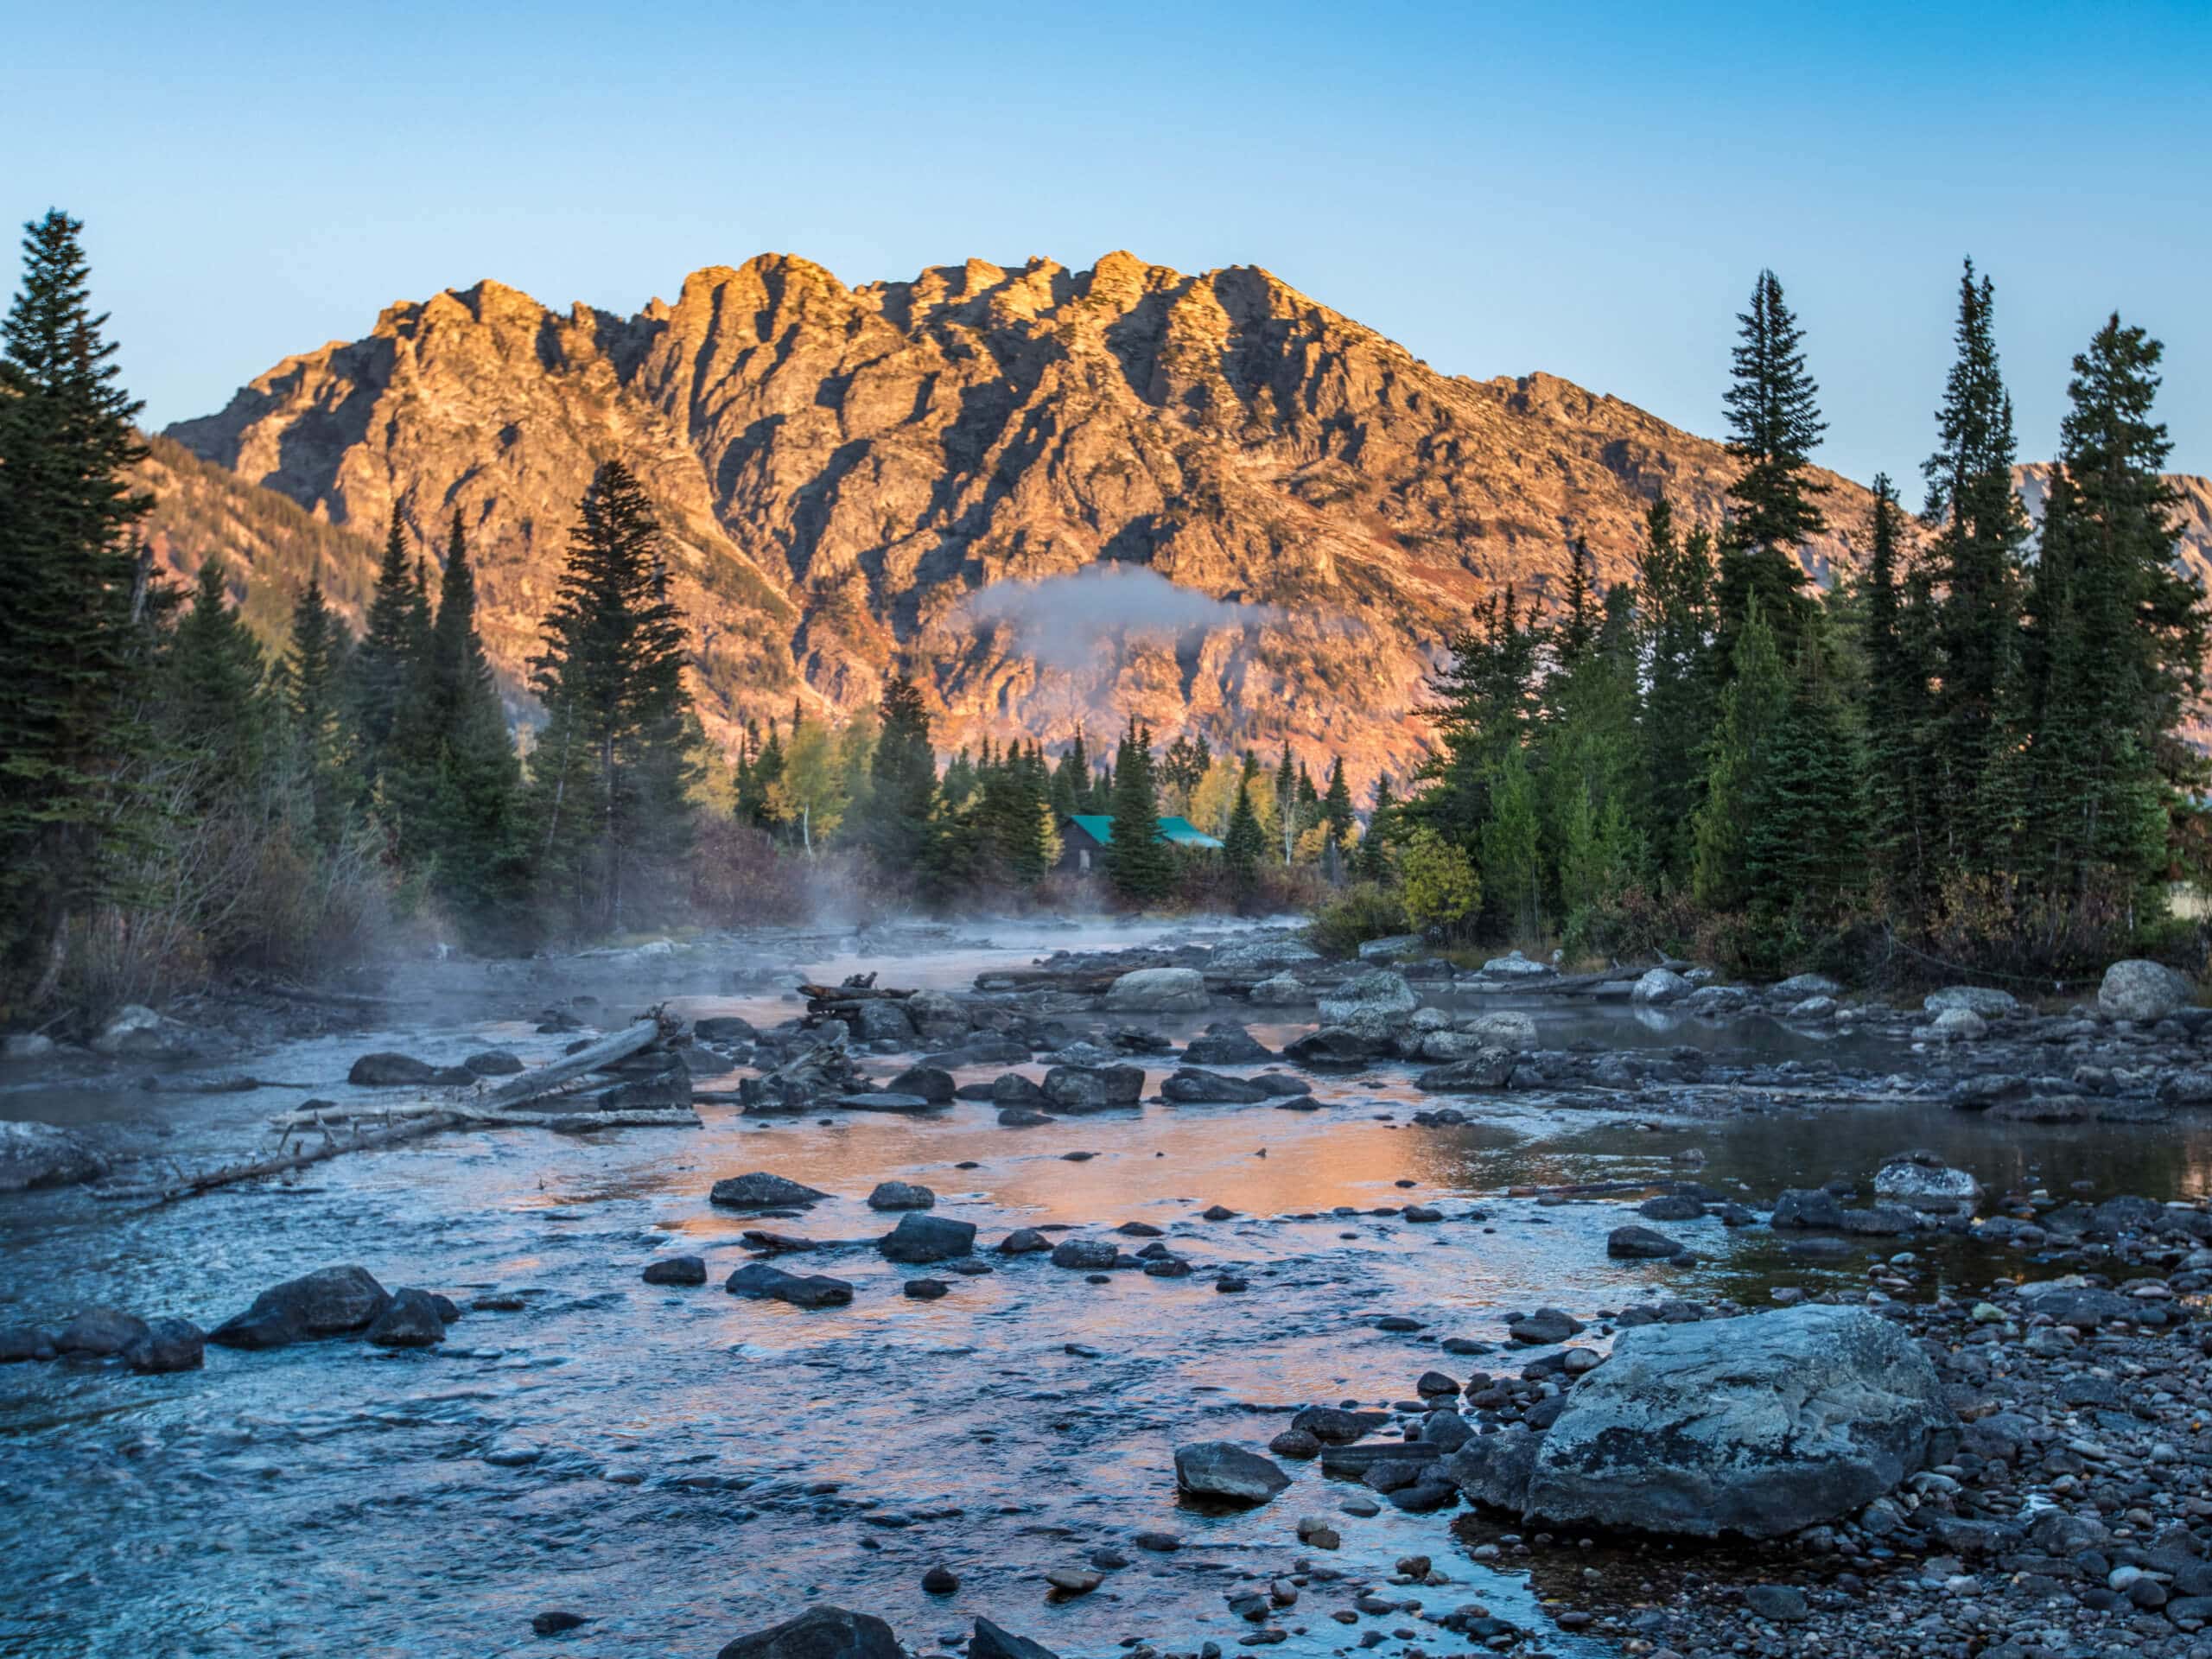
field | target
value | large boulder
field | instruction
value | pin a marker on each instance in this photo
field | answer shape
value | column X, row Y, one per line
column 761, row 1191
column 1226, row 1043
column 920, row 1238
column 1092, row 1088
column 1190, row 1086
column 1380, row 995
column 1661, row 985
column 410, row 1319
column 1517, row 966
column 2147, row 991
column 1502, row 1028
column 1339, row 1046
column 1221, row 1469
column 820, row 1633
column 901, row 1195
column 1756, row 1425
column 989, row 1642
column 328, row 1302
column 1486, row 1069
column 1798, row 987
column 761, row 1283
column 387, row 1070
column 1281, row 991
column 1923, row 1179
column 1157, row 990
column 168, row 1346
column 878, row 1020
column 100, row 1333
column 40, row 1155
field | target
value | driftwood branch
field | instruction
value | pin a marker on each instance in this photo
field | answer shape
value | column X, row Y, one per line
column 415, row 1120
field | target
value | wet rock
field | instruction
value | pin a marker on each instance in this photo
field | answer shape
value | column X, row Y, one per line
column 328, row 1302
column 1078, row 1089
column 758, row 1281
column 1189, row 1086
column 2081, row 1305
column 100, row 1333
column 1295, row 1443
column 1226, row 1043
column 1642, row 1244
column 1024, row 1240
column 1011, row 1089
column 2143, row 991
column 1671, row 1206
column 1922, row 1177
column 40, row 1154
column 1759, row 1427
column 1086, row 1254
column 1157, row 990
column 1779, row 1604
column 410, row 1320
column 1981, row 1000
column 1020, row 1117
column 1379, row 994
column 932, row 1082
column 1808, row 1207
column 820, row 1633
column 1515, row 966
column 19, row 1343
column 404, row 1070
column 884, row 1100
column 1224, row 1470
column 989, row 1642
column 926, row 1290
column 1339, row 1046
column 677, row 1270
column 1281, row 991
column 1661, row 985
column 1074, row 1580
column 137, row 1032
column 1798, row 987
column 1544, row 1327
column 1490, row 1068
column 921, row 1238
column 1954, row 1026
column 1496, row 1469
column 724, row 1028
column 1502, row 1028
column 761, row 1191
column 494, row 1063
column 901, row 1195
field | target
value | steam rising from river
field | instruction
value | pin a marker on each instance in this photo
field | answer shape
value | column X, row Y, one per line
column 1062, row 621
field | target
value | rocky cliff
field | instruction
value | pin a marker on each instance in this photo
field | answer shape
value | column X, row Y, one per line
column 1055, row 496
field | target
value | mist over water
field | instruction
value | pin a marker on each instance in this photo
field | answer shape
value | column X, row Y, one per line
column 1062, row 621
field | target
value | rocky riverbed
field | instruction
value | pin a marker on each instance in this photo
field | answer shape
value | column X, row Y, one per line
column 1048, row 1223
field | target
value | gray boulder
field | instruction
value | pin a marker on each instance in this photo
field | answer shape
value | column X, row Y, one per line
column 989, row 1642
column 1224, row 1470
column 1661, row 985
column 724, row 1028
column 921, row 1238
column 932, row 1082
column 1798, row 987
column 761, row 1191
column 901, row 1195
column 168, row 1346
column 820, row 1633
column 878, row 1019
column 1922, row 1179
column 1083, row 1254
column 1092, row 1088
column 1502, row 1028
column 1337, row 1046
column 328, row 1302
column 1985, row 1001
column 1396, row 948
column 1489, row 1068
column 1191, row 1087
column 677, row 1270
column 1955, row 1026
column 1226, row 1043
column 1380, row 995
column 1251, row 955
column 1642, row 1244
column 1157, row 990
column 100, row 1333
column 2143, row 991
column 410, row 1320
column 1517, row 966
column 1281, row 991
column 759, row 1282
column 404, row 1071
column 1496, row 1469
column 40, row 1154
column 1755, row 1426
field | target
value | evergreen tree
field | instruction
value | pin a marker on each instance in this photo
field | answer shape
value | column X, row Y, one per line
column 1370, row 860
column 1245, row 844
column 1897, row 711
column 213, row 703
column 72, row 649
column 1140, row 863
column 1803, row 840
column 1511, row 849
column 2114, row 642
column 903, row 779
column 1287, row 822
column 387, row 666
column 1336, row 805
column 451, row 765
column 1752, row 709
column 1674, row 595
column 1485, row 706
column 611, row 769
column 1981, row 531
column 1774, row 424
column 1578, row 624
column 1589, row 781
column 313, row 693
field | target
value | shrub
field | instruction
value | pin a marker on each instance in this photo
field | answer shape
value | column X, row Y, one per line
column 1441, row 888
column 1366, row 910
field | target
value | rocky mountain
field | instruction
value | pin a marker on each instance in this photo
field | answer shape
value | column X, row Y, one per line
column 1056, row 497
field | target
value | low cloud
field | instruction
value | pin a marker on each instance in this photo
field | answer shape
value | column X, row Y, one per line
column 1062, row 621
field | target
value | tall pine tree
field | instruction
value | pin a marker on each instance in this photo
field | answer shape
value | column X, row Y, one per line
column 1774, row 424
column 1140, row 863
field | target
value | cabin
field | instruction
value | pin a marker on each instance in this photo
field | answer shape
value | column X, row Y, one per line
column 1086, row 835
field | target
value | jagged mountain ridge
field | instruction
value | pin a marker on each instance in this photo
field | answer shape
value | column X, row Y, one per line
column 840, row 470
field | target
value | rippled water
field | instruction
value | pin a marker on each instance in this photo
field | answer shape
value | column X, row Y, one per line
column 684, row 1465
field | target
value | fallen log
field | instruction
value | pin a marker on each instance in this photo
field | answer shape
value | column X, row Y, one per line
column 493, row 1108
column 827, row 993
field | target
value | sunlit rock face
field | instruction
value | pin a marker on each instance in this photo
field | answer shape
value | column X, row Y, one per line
column 1059, row 497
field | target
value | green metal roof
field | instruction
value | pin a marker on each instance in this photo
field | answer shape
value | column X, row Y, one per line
column 1099, row 828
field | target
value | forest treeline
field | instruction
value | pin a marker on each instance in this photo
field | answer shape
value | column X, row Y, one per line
column 1969, row 750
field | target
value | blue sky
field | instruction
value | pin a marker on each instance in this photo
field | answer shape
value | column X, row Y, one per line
column 1587, row 190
